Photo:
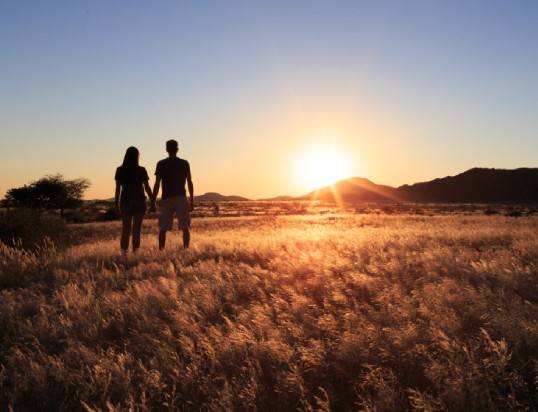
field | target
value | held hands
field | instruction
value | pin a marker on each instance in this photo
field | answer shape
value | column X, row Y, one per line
column 153, row 205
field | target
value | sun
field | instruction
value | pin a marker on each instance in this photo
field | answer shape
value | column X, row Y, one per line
column 322, row 166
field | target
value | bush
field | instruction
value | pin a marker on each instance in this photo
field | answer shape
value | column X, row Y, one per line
column 28, row 229
column 109, row 215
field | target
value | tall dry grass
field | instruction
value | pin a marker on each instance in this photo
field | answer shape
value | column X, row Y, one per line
column 340, row 312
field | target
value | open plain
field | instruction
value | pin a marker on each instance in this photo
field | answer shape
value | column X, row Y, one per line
column 333, row 311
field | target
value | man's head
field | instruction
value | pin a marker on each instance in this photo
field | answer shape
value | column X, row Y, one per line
column 171, row 147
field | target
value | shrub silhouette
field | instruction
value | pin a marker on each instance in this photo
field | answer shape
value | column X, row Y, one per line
column 28, row 229
column 51, row 192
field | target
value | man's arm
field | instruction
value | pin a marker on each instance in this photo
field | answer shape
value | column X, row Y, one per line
column 190, row 186
column 156, row 187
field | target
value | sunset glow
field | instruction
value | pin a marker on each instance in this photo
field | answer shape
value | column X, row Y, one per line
column 323, row 166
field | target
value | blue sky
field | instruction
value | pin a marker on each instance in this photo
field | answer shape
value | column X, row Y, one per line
column 407, row 90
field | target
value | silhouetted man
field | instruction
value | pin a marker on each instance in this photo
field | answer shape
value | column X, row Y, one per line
column 174, row 173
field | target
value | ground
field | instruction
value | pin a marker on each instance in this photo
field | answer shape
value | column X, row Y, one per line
column 322, row 311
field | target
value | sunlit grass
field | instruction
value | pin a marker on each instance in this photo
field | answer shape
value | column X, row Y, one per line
column 339, row 312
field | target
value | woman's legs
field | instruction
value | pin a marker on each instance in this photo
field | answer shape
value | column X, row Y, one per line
column 137, row 227
column 126, row 232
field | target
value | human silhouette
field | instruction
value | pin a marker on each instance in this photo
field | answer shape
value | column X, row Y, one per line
column 174, row 173
column 130, row 201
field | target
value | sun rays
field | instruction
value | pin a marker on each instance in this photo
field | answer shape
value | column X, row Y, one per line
column 322, row 166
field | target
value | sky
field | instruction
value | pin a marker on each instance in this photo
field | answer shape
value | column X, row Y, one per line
column 399, row 91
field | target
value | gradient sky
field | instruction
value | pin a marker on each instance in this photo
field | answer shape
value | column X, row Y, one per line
column 408, row 90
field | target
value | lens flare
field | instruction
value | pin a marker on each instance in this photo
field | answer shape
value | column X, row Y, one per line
column 322, row 166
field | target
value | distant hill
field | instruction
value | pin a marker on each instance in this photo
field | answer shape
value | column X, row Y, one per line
column 477, row 185
column 217, row 197
column 355, row 189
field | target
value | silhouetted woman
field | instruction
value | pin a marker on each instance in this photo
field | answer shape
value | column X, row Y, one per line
column 131, row 181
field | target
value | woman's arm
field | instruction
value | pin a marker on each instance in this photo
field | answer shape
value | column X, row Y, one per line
column 148, row 190
column 117, row 197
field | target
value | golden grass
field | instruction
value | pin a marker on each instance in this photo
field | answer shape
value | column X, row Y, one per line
column 340, row 312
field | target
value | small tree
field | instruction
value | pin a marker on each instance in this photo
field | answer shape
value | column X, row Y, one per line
column 49, row 192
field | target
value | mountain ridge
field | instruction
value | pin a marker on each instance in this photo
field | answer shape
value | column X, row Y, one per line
column 217, row 197
column 478, row 185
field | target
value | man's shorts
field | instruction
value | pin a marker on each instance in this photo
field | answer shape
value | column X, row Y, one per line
column 132, row 206
column 174, row 206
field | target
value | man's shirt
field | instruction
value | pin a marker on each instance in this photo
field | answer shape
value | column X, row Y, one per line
column 174, row 173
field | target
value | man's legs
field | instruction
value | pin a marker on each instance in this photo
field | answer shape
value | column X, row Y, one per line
column 186, row 238
column 162, row 239
column 166, row 221
column 184, row 221
column 169, row 209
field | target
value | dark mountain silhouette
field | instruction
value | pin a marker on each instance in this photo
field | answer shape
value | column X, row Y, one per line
column 217, row 197
column 477, row 185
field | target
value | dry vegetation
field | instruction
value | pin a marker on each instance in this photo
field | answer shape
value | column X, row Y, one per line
column 277, row 313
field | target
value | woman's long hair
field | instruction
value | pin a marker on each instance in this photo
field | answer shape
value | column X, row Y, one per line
column 131, row 157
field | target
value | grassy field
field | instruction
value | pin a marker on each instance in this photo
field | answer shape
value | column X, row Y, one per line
column 340, row 312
